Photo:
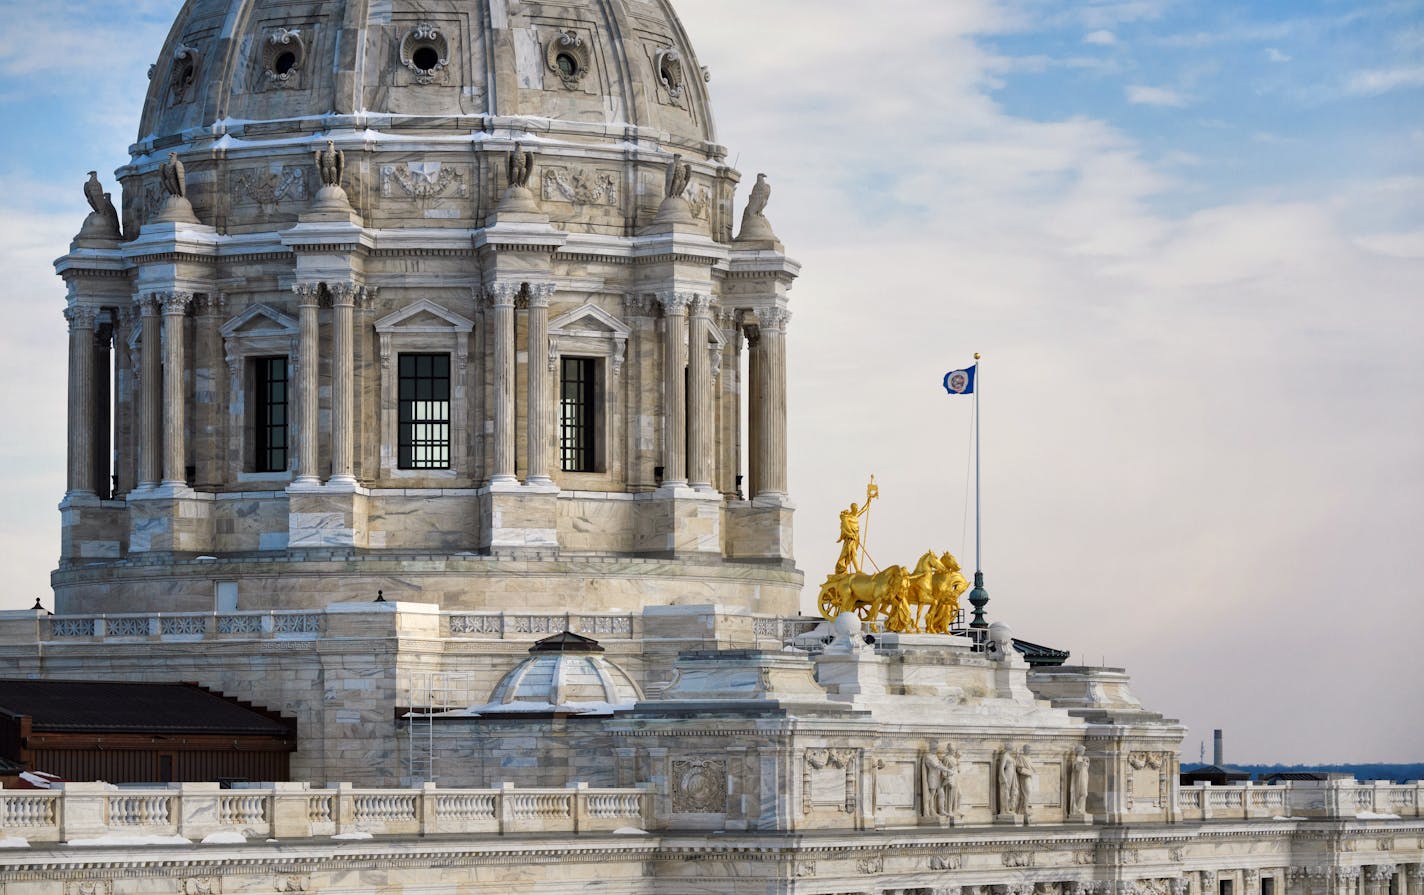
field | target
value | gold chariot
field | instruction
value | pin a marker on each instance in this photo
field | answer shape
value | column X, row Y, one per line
column 924, row 599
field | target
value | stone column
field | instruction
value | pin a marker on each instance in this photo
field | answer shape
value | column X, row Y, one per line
column 125, row 402
column 150, row 437
column 81, row 399
column 699, row 393
column 771, row 447
column 102, row 448
column 175, row 306
column 343, row 303
column 674, row 397
column 308, row 352
column 501, row 331
column 729, row 392
column 755, row 352
column 208, row 368
column 538, row 411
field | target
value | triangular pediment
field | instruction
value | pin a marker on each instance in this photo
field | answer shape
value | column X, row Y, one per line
column 589, row 320
column 424, row 316
column 260, row 320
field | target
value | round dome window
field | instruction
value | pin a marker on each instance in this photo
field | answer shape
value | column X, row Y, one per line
column 424, row 52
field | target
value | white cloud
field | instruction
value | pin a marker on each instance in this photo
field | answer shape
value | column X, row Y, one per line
column 1275, row 55
column 1102, row 37
column 1373, row 82
column 1141, row 95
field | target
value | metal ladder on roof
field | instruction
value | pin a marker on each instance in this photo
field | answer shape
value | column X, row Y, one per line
column 431, row 692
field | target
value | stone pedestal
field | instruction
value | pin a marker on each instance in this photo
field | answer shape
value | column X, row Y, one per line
column 675, row 520
column 519, row 519
column 170, row 519
column 92, row 529
column 759, row 529
column 332, row 515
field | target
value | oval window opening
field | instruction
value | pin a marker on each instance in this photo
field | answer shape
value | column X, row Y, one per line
column 568, row 66
column 285, row 63
column 425, row 58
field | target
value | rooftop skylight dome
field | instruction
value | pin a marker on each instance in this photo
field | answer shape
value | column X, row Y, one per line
column 566, row 674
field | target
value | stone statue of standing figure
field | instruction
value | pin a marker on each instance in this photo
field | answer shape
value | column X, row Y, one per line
column 1024, row 770
column 1008, row 781
column 941, row 782
column 1078, row 782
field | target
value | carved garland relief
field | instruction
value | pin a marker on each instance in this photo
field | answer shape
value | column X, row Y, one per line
column 268, row 188
column 579, row 186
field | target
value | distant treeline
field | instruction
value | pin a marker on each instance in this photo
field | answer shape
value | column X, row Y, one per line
column 1397, row 773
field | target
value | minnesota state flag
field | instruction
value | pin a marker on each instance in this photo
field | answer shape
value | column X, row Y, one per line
column 960, row 382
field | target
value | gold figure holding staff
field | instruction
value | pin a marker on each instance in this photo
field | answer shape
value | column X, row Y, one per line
column 922, row 600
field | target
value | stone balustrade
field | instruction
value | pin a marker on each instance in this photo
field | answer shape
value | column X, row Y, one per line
column 295, row 811
column 297, row 624
column 1302, row 799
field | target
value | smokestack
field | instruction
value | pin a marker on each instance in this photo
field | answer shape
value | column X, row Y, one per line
column 1216, row 747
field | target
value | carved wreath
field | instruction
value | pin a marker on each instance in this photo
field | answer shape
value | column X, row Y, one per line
column 424, row 35
column 567, row 56
column 1140, row 760
column 279, row 43
column 699, row 786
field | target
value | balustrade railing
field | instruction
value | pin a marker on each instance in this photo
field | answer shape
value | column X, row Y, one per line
column 1302, row 799
column 293, row 811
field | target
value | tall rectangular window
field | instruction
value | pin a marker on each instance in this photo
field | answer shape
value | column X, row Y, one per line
column 270, row 431
column 577, row 414
column 423, row 436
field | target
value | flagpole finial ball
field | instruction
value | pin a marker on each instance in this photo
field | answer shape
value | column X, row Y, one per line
column 977, row 355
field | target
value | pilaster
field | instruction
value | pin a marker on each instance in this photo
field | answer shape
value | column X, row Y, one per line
column 539, row 409
column 81, row 401
column 699, row 394
column 208, row 389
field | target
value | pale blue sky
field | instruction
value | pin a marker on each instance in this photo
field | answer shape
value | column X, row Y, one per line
column 1188, row 237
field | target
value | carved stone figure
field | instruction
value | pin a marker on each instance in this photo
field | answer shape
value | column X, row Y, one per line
column 330, row 164
column 941, row 782
column 173, row 177
column 756, row 202
column 520, row 165
column 1024, row 770
column 1008, row 782
column 1078, row 782
column 102, row 204
column 679, row 175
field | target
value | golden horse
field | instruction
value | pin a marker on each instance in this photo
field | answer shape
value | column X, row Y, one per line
column 864, row 594
column 936, row 583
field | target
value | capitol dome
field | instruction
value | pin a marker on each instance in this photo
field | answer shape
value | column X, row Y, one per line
column 239, row 79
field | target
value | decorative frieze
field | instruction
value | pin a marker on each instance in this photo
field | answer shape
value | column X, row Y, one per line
column 267, row 188
column 423, row 182
column 579, row 186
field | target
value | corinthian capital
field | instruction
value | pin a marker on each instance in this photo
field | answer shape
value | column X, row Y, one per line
column 308, row 294
column 343, row 294
column 699, row 304
column 210, row 304
column 502, row 294
column 174, row 303
column 80, row 317
column 774, row 319
column 540, row 294
column 675, row 302
column 149, row 304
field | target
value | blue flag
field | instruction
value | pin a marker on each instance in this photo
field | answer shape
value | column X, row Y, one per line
column 960, row 382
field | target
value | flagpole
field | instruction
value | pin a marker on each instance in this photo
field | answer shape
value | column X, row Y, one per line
column 978, row 597
column 978, row 386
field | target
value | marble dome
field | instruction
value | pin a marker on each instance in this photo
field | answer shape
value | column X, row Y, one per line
column 613, row 81
column 564, row 673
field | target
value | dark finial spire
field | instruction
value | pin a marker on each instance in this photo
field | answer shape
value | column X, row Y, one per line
column 979, row 598
column 380, row 596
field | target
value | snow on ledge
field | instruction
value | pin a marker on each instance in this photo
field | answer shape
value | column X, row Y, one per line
column 128, row 839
